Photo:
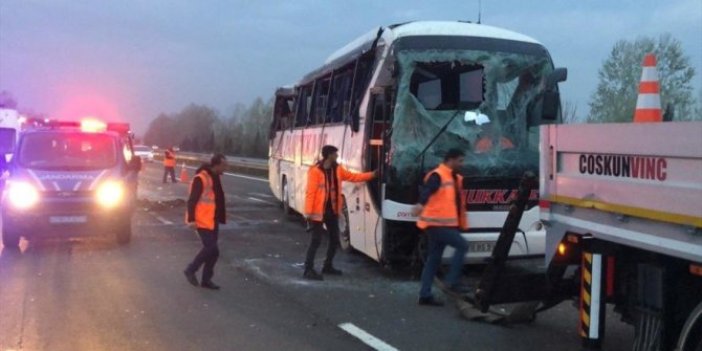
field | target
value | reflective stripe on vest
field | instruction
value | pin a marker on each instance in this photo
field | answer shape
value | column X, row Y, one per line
column 206, row 205
column 169, row 162
column 440, row 210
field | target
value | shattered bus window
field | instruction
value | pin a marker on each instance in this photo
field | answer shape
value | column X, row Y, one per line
column 435, row 85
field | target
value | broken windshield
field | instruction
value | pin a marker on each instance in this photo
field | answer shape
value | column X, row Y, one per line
column 436, row 84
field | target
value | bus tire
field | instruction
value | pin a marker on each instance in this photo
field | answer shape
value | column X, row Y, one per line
column 124, row 232
column 10, row 238
column 691, row 335
column 345, row 228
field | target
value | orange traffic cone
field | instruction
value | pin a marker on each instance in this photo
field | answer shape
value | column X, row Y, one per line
column 183, row 174
column 648, row 105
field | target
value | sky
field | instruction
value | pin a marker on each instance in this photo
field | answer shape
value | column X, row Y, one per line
column 131, row 60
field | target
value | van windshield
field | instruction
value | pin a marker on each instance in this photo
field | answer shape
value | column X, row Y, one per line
column 67, row 151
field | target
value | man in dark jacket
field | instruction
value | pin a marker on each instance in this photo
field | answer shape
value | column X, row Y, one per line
column 206, row 210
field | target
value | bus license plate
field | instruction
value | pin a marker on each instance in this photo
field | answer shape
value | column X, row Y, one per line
column 67, row 219
column 481, row 246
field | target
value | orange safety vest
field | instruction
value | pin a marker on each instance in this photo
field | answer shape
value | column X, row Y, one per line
column 169, row 161
column 317, row 189
column 205, row 207
column 440, row 210
column 485, row 144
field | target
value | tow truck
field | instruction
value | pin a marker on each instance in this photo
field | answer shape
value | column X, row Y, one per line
column 622, row 206
column 71, row 178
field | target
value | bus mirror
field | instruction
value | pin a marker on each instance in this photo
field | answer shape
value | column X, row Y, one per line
column 477, row 117
column 558, row 75
column 551, row 106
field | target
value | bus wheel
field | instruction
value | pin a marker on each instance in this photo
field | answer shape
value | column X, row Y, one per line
column 10, row 238
column 345, row 229
column 287, row 210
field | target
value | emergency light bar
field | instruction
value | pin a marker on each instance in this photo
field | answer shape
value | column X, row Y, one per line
column 91, row 126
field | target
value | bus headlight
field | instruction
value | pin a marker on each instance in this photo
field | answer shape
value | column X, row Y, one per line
column 110, row 194
column 22, row 195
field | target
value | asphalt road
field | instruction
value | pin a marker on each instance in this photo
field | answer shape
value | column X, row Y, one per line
column 90, row 294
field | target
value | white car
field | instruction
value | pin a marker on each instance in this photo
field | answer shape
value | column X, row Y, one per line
column 145, row 152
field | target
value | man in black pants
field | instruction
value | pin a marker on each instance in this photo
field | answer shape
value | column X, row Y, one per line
column 323, row 203
column 206, row 210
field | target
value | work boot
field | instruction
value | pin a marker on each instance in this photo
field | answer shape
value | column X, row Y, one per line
column 331, row 270
column 310, row 274
column 210, row 285
column 430, row 301
column 192, row 279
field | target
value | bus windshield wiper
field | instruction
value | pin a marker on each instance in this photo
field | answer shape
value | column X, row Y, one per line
column 433, row 140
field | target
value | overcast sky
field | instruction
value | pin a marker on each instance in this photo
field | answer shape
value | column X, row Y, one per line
column 132, row 59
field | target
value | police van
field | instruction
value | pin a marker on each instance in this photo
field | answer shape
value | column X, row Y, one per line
column 71, row 178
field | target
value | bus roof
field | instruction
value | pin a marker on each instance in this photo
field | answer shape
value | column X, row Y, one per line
column 426, row 28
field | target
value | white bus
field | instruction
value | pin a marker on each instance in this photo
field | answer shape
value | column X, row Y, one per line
column 395, row 100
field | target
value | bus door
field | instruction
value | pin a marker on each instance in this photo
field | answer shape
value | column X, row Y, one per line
column 378, row 142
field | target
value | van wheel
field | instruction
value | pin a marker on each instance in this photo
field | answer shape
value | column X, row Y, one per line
column 10, row 238
column 345, row 229
column 124, row 232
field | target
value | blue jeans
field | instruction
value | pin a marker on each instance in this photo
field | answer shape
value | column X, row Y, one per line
column 438, row 239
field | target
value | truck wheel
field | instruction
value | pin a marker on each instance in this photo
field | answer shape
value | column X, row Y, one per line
column 10, row 238
column 124, row 232
column 345, row 229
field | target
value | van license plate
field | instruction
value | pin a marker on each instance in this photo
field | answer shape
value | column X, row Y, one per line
column 481, row 246
column 67, row 219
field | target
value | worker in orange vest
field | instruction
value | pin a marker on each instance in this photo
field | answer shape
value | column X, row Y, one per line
column 442, row 214
column 491, row 140
column 169, row 164
column 206, row 211
column 323, row 202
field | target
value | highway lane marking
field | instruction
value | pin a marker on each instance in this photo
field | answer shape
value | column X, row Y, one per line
column 366, row 338
column 262, row 195
column 259, row 200
column 163, row 220
column 264, row 180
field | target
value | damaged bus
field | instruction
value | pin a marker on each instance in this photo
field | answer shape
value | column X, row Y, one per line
column 395, row 100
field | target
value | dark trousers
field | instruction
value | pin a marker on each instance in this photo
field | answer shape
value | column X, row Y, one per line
column 169, row 171
column 438, row 239
column 317, row 230
column 208, row 255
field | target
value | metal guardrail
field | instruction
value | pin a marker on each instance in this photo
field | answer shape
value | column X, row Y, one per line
column 253, row 166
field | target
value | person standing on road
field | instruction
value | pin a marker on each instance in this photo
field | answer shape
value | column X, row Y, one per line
column 441, row 214
column 206, row 211
column 323, row 203
column 169, row 164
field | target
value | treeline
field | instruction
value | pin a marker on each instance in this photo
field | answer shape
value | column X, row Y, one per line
column 199, row 128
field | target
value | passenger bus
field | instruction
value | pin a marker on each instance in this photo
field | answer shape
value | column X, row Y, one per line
column 395, row 100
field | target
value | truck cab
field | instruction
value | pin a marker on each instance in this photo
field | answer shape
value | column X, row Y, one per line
column 71, row 178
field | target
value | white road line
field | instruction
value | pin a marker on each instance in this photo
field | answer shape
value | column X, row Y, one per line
column 163, row 220
column 259, row 200
column 262, row 195
column 264, row 180
column 367, row 339
column 247, row 177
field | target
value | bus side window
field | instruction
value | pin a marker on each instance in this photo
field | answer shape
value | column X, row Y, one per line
column 361, row 77
column 303, row 110
column 321, row 96
column 340, row 96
